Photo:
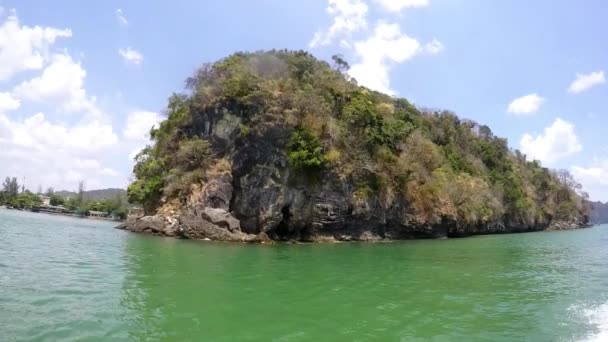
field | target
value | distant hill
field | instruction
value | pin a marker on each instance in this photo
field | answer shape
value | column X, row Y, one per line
column 599, row 212
column 96, row 194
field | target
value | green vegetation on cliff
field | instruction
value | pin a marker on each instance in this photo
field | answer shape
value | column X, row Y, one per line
column 445, row 169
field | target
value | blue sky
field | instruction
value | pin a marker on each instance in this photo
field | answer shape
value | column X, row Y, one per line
column 73, row 107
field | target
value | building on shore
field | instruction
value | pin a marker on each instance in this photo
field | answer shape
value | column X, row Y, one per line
column 94, row 213
column 56, row 209
column 46, row 200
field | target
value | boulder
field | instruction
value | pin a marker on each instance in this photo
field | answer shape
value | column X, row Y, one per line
column 149, row 224
column 221, row 218
column 194, row 227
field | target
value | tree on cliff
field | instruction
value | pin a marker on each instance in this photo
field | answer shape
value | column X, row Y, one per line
column 430, row 165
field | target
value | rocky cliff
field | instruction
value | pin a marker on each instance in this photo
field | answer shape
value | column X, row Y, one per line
column 598, row 213
column 280, row 146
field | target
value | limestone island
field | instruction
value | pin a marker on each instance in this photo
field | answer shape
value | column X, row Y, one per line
column 278, row 145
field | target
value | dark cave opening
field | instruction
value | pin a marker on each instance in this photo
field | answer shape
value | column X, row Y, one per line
column 282, row 230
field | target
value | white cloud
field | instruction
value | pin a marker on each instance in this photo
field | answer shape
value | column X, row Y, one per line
column 25, row 48
column 584, row 82
column 557, row 142
column 8, row 102
column 345, row 44
column 61, row 83
column 85, row 163
column 137, row 129
column 135, row 151
column 348, row 17
column 594, row 178
column 39, row 147
column 109, row 172
column 378, row 52
column 399, row 5
column 434, row 47
column 36, row 132
column 131, row 55
column 56, row 154
column 596, row 175
column 120, row 16
column 527, row 104
column 381, row 49
column 139, row 124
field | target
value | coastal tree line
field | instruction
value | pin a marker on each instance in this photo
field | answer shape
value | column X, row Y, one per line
column 15, row 195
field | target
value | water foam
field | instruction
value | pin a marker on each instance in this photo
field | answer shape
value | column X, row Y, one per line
column 598, row 317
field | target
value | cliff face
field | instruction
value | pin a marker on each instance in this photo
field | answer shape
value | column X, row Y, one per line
column 598, row 213
column 262, row 150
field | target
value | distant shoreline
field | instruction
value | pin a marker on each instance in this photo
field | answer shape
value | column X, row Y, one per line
column 63, row 214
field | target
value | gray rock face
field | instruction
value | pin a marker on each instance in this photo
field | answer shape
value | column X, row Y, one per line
column 158, row 225
column 226, row 126
column 196, row 228
column 221, row 218
column 216, row 193
column 565, row 225
column 261, row 198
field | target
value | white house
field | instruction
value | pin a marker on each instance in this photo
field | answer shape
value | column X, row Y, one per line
column 46, row 200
